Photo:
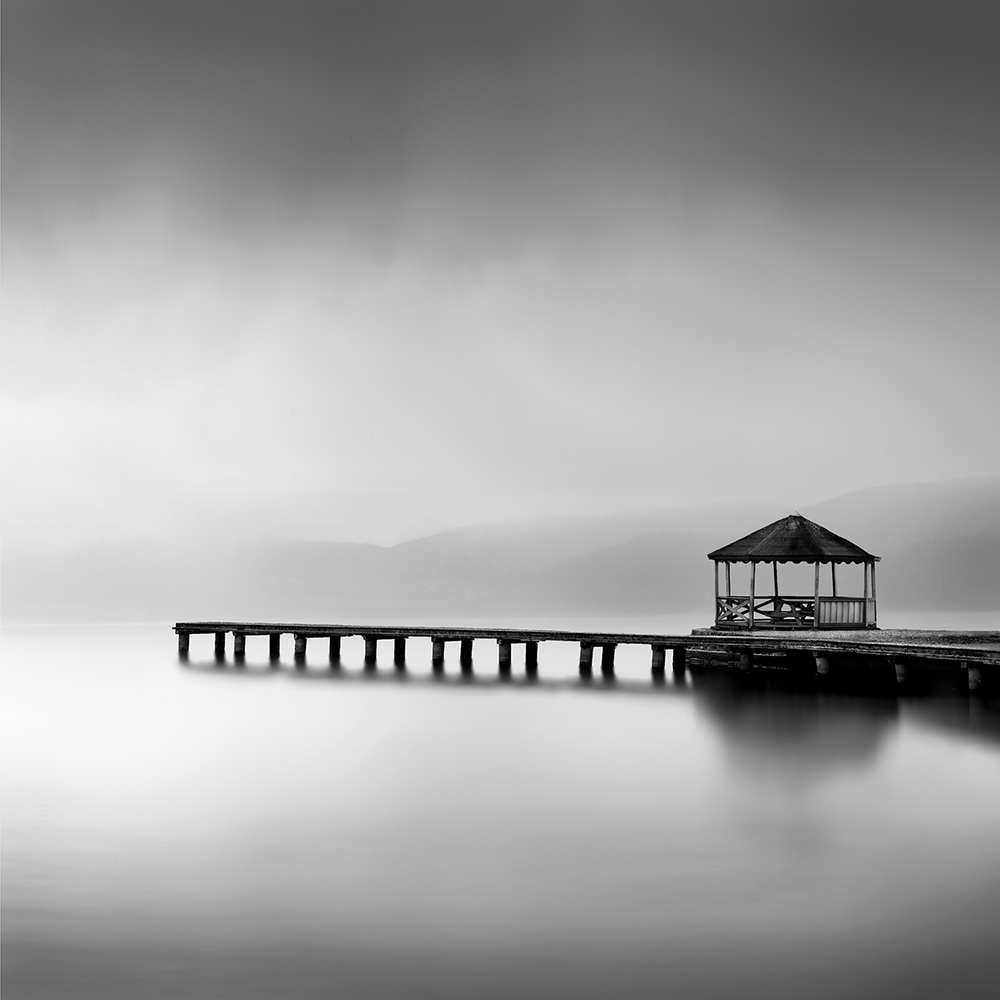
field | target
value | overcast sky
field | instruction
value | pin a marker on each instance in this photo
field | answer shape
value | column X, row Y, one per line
column 361, row 271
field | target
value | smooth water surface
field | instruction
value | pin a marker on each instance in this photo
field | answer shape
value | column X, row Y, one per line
column 187, row 831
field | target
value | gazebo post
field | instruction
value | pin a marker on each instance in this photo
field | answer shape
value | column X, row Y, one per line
column 833, row 577
column 753, row 578
column 715, row 563
column 729, row 580
column 775, row 567
column 816, row 598
column 864, row 616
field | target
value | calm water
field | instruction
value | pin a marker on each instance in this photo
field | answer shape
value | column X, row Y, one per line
column 180, row 832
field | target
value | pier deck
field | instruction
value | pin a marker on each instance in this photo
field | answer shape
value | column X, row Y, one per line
column 976, row 653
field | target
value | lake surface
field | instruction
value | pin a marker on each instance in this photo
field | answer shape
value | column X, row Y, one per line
column 173, row 831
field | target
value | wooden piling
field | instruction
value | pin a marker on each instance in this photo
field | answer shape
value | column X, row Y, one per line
column 531, row 659
column 274, row 646
column 239, row 647
column 658, row 666
column 183, row 645
column 399, row 651
column 900, row 669
column 371, row 650
column 608, row 660
column 465, row 655
column 680, row 665
column 586, row 660
column 746, row 660
column 822, row 665
column 437, row 654
column 503, row 656
column 300, row 650
column 974, row 677
column 334, row 649
column 220, row 647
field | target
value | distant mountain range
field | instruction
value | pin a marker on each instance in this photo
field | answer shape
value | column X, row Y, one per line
column 940, row 544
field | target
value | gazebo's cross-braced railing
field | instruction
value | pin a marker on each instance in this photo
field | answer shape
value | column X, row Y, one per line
column 768, row 612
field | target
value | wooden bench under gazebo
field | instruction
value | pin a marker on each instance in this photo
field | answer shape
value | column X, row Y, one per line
column 793, row 539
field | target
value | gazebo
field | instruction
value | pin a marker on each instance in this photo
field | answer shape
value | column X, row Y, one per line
column 793, row 539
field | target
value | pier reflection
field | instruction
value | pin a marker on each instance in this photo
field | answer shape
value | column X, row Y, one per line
column 782, row 730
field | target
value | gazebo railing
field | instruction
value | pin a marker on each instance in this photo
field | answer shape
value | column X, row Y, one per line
column 768, row 612
column 794, row 612
column 848, row 612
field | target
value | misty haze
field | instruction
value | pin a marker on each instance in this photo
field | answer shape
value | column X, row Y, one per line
column 497, row 316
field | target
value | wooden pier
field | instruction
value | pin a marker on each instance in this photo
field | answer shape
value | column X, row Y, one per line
column 822, row 653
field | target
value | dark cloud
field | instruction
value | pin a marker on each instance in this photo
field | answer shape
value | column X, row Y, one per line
column 508, row 116
column 469, row 253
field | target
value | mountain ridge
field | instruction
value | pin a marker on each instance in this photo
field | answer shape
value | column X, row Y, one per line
column 940, row 544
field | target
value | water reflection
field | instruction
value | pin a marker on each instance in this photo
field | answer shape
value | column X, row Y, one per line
column 967, row 716
column 796, row 737
column 243, row 832
column 776, row 724
column 465, row 678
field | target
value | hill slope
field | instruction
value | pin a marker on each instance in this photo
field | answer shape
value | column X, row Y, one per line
column 940, row 544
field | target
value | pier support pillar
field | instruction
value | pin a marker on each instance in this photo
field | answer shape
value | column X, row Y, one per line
column 503, row 647
column 680, row 665
column 300, row 650
column 274, row 647
column 974, row 676
column 239, row 647
column 371, row 651
column 183, row 646
column 437, row 655
column 586, row 660
column 531, row 659
column 220, row 647
column 608, row 661
column 334, row 650
column 465, row 656
column 900, row 669
column 399, row 651
column 658, row 665
column 746, row 661
column 822, row 665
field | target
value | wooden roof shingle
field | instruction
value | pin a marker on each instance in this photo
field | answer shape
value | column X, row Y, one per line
column 792, row 539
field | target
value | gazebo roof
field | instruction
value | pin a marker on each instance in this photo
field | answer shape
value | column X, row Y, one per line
column 792, row 539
